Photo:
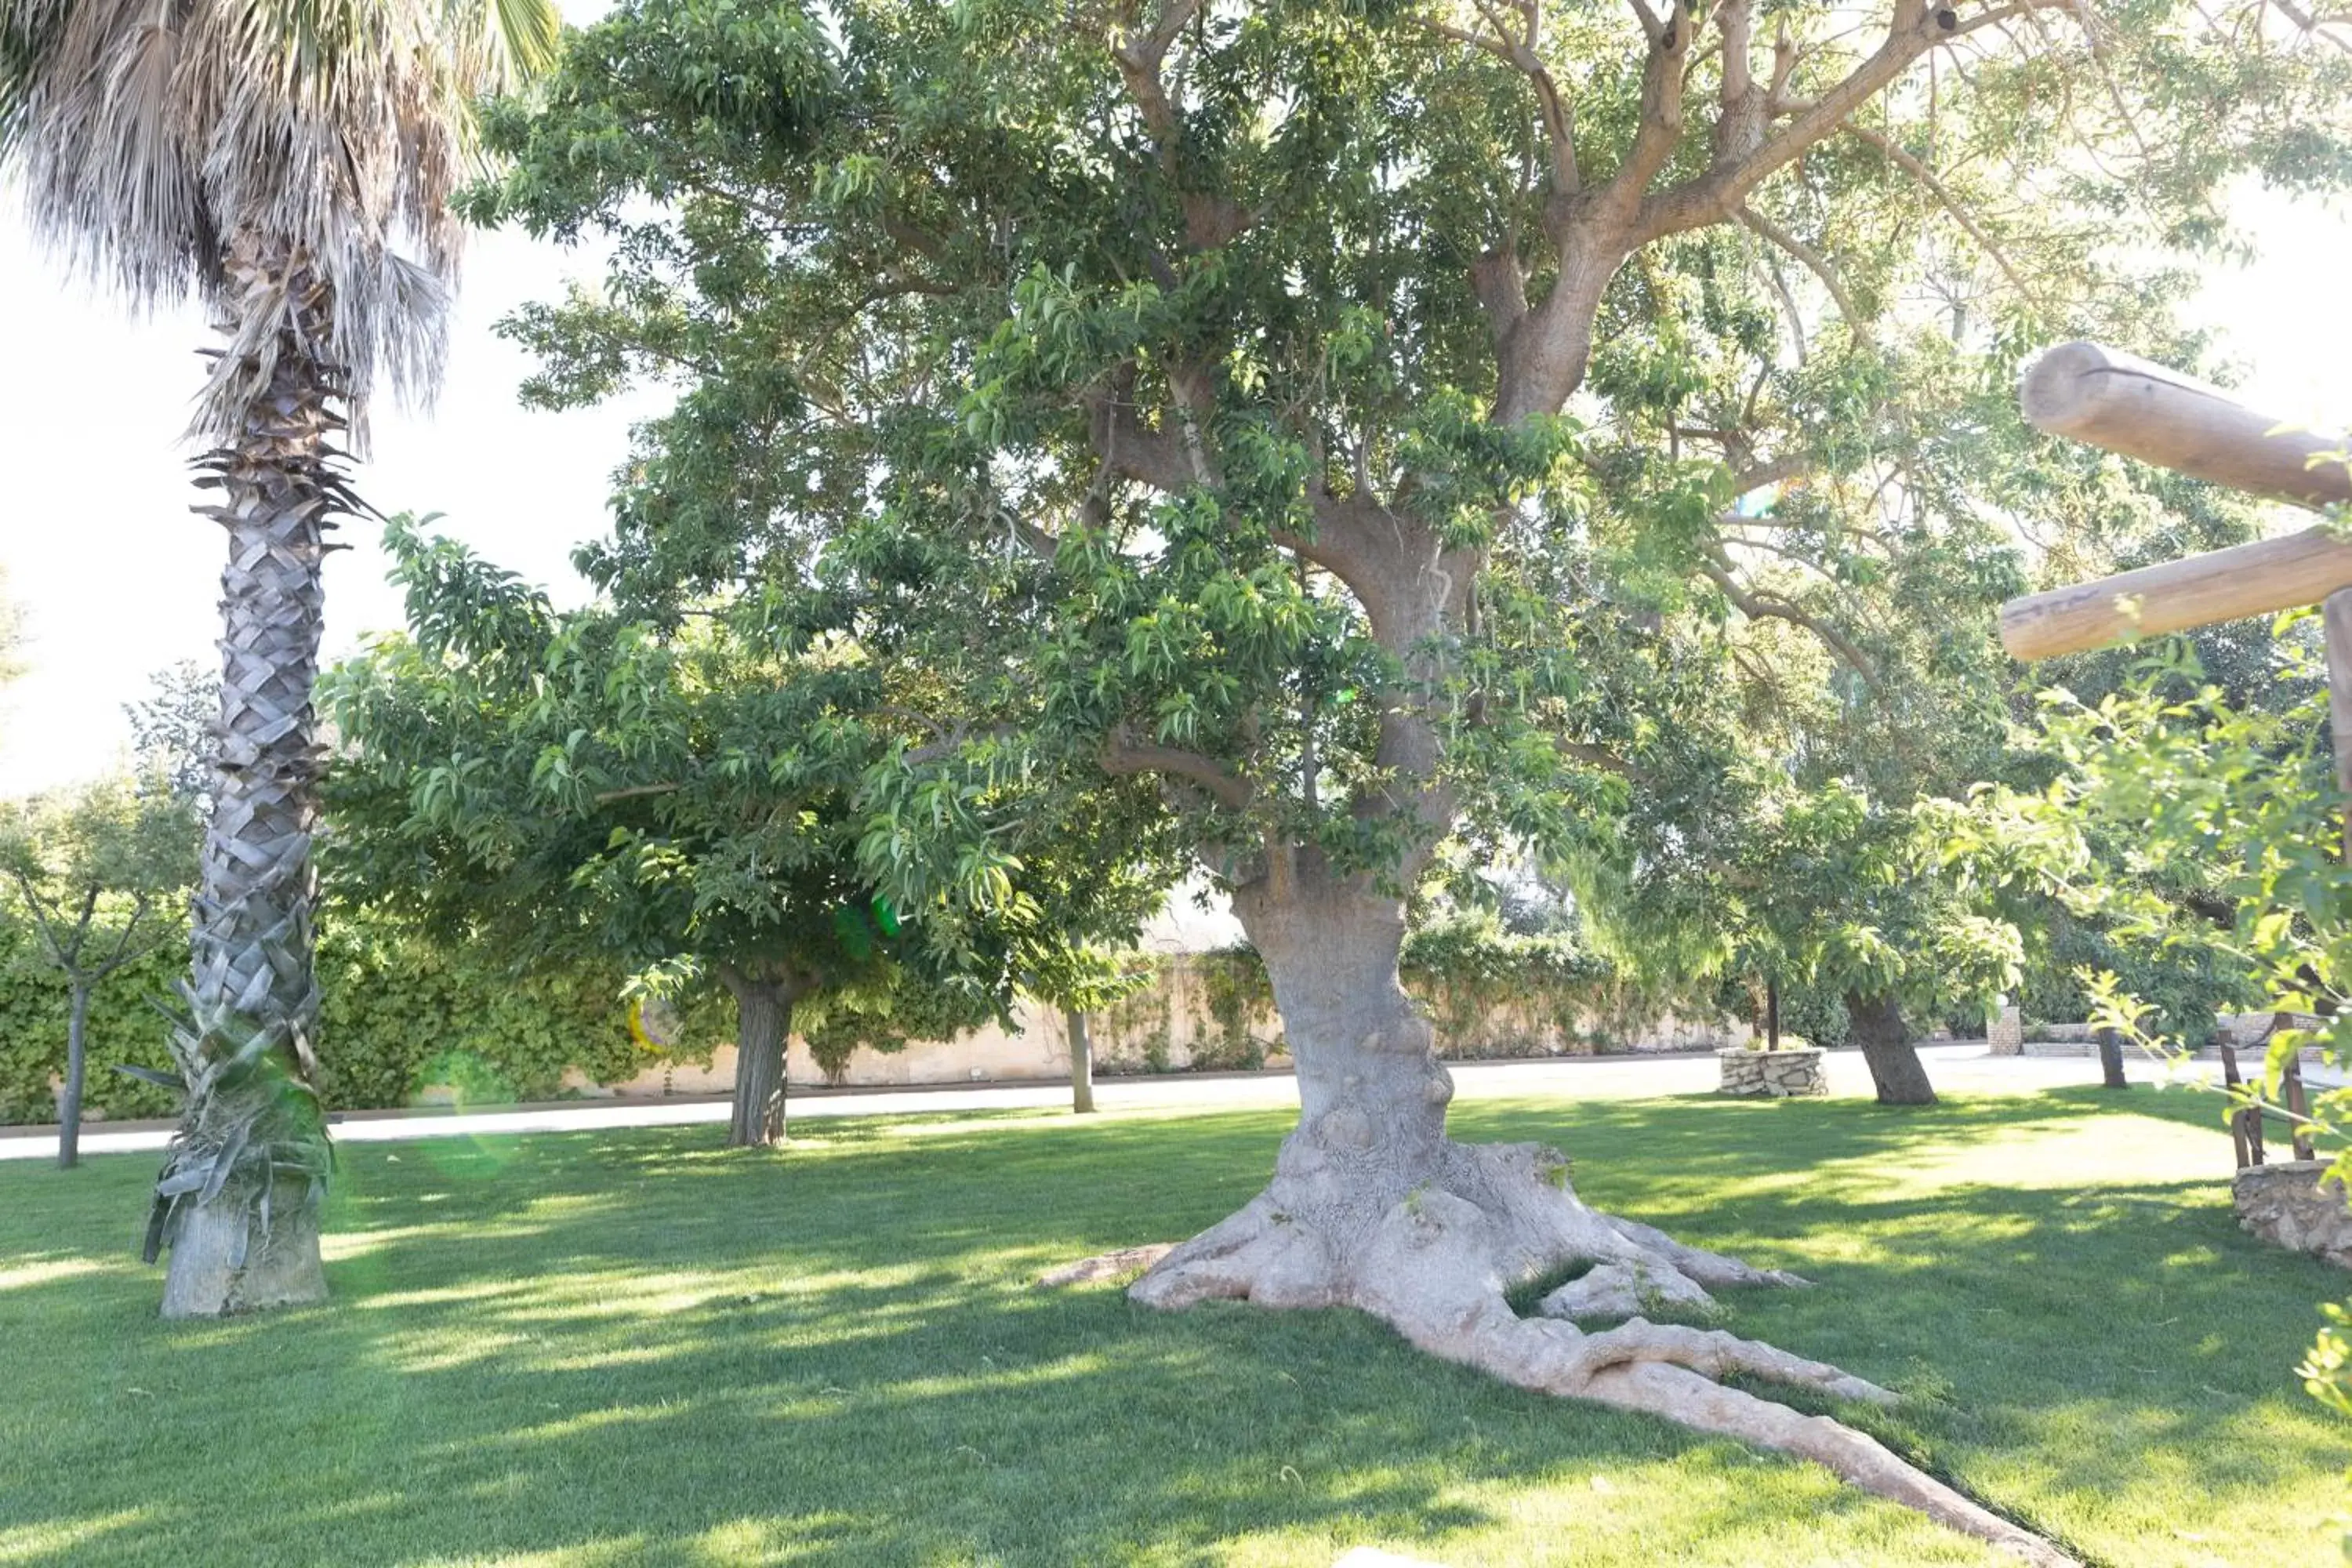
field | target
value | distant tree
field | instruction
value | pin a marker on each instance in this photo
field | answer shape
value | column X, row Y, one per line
column 285, row 165
column 12, row 633
column 690, row 803
column 97, row 872
column 172, row 732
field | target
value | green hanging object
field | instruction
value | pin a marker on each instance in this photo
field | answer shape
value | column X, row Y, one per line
column 849, row 925
column 885, row 916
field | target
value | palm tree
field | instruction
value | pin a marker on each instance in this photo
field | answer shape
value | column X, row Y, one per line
column 287, row 163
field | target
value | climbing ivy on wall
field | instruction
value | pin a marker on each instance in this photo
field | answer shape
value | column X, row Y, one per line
column 400, row 1014
column 1490, row 993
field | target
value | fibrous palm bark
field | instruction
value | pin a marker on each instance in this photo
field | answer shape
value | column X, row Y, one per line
column 289, row 165
column 247, row 1236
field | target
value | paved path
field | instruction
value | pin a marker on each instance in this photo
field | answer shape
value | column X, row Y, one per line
column 1964, row 1068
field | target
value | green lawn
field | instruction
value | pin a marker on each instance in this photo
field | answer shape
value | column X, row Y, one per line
column 638, row 1348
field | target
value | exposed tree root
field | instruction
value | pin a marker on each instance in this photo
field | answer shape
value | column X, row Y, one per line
column 1435, row 1265
column 1105, row 1265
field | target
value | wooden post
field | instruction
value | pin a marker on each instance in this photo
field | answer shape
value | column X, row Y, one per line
column 2298, row 1106
column 2126, row 405
column 2237, row 1117
column 2245, row 1125
column 1082, row 1061
column 2258, row 579
column 2337, row 615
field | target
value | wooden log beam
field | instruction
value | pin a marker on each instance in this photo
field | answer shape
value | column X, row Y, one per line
column 2258, row 579
column 2126, row 405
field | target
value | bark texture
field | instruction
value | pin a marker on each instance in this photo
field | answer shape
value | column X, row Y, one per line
column 237, row 1202
column 763, row 1026
column 1894, row 1066
column 2111, row 1058
column 1082, row 1062
column 230, row 1257
column 1374, row 1207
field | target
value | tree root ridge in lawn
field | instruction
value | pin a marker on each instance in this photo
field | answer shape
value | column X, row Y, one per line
column 1434, row 1264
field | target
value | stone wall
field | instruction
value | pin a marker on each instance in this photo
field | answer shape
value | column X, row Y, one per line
column 1776, row 1075
column 1190, row 1018
column 2285, row 1203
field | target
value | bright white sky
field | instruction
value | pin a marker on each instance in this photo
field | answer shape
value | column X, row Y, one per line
column 118, row 580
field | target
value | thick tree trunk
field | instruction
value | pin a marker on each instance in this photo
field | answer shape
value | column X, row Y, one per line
column 1894, row 1066
column 77, row 1072
column 231, row 1258
column 763, row 1026
column 1082, row 1062
column 277, row 495
column 1373, row 1206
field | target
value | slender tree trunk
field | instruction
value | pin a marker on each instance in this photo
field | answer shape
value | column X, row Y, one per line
column 251, row 1240
column 2111, row 1058
column 1082, row 1062
column 1772, row 1013
column 77, row 1072
column 763, row 1026
column 1894, row 1066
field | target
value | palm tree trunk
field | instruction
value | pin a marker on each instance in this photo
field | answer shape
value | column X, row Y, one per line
column 77, row 1072
column 249, row 1239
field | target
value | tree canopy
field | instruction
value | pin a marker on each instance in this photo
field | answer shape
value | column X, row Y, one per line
column 690, row 802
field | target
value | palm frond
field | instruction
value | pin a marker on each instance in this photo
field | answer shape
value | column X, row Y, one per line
column 152, row 134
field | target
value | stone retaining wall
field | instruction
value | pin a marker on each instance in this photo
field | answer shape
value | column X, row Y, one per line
column 1777, row 1075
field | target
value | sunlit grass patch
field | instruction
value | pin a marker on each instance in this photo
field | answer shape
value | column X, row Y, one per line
column 639, row 1348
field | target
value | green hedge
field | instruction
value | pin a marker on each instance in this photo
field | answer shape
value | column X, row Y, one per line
column 400, row 1014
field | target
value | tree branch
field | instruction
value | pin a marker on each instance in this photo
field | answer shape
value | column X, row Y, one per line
column 1520, row 53
column 1660, row 127
column 1125, row 758
column 1594, row 757
column 1711, row 197
column 1759, row 605
column 1754, row 477
column 1814, row 262
column 1902, row 160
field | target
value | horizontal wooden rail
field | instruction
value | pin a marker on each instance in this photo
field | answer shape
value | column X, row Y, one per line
column 2123, row 402
column 2258, row 579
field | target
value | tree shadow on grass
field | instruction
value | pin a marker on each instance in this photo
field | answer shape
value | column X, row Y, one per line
column 640, row 1348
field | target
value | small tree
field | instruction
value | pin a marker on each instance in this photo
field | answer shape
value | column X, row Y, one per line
column 94, row 869
column 689, row 800
column 172, row 729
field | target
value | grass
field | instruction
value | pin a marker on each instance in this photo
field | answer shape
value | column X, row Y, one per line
column 638, row 1348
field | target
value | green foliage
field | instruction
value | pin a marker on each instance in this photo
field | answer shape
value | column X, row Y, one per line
column 401, row 1013
column 1494, row 992
column 172, row 730
column 726, row 798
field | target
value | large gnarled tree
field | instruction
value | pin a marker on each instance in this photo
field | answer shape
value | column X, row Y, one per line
column 1195, row 388
column 286, row 163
